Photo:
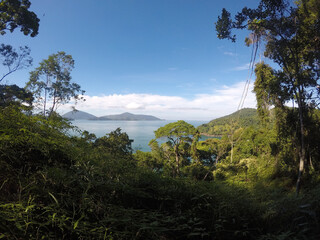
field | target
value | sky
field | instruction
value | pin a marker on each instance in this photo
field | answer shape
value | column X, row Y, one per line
column 156, row 57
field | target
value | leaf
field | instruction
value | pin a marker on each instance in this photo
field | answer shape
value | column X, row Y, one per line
column 75, row 225
column 54, row 198
column 29, row 207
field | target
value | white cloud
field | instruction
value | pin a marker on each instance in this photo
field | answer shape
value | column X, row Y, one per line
column 134, row 105
column 230, row 54
column 242, row 67
column 201, row 107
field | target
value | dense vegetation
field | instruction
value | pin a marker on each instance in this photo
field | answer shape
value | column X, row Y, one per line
column 57, row 186
column 243, row 118
column 241, row 186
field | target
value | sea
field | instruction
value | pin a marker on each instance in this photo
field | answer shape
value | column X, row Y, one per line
column 141, row 132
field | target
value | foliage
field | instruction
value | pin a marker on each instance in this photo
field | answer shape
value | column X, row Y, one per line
column 220, row 126
column 13, row 59
column 179, row 137
column 14, row 14
column 265, row 87
column 55, row 184
column 149, row 160
column 14, row 95
column 115, row 142
column 290, row 34
column 51, row 83
column 58, row 186
column 212, row 150
column 224, row 26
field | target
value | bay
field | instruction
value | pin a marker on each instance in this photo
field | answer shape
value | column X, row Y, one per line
column 141, row 132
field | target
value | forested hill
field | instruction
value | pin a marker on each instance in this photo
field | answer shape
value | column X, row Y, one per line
column 76, row 115
column 129, row 117
column 242, row 118
column 79, row 115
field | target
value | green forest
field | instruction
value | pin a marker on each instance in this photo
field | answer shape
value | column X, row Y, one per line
column 246, row 117
column 259, row 179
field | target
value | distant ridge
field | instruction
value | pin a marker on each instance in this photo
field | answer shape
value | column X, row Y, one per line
column 78, row 115
column 129, row 117
column 74, row 115
column 247, row 117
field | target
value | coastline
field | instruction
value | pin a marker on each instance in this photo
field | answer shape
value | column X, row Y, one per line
column 210, row 135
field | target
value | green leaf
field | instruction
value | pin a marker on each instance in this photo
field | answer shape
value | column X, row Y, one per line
column 54, row 198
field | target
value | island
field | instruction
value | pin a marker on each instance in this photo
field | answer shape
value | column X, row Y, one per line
column 80, row 115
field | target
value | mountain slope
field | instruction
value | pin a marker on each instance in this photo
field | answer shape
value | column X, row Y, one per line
column 243, row 118
column 129, row 117
column 75, row 115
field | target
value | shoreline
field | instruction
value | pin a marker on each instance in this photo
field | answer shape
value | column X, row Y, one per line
column 210, row 135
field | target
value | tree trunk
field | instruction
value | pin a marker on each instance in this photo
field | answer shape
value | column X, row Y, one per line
column 177, row 159
column 45, row 102
column 303, row 148
column 45, row 96
column 217, row 160
column 53, row 103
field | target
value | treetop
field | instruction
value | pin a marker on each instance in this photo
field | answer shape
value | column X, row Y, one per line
column 14, row 14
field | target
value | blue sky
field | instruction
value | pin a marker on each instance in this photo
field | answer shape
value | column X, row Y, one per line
column 159, row 57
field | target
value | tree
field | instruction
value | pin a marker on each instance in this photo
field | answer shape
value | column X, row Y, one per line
column 212, row 150
column 14, row 60
column 149, row 161
column 179, row 136
column 264, row 89
column 14, row 14
column 291, row 35
column 51, row 82
column 113, row 154
column 14, row 95
column 115, row 142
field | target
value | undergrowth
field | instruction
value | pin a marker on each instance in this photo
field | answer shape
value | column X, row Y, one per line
column 55, row 186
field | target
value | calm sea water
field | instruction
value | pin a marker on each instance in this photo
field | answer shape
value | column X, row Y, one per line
column 141, row 132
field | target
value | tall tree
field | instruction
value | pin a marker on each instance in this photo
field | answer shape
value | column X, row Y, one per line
column 268, row 91
column 178, row 135
column 51, row 83
column 291, row 35
column 16, row 14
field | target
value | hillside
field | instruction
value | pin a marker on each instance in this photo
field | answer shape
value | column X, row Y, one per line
column 129, row 117
column 78, row 115
column 247, row 117
column 73, row 115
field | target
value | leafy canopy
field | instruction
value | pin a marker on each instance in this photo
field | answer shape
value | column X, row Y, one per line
column 14, row 14
column 291, row 34
column 176, row 131
column 51, row 82
column 14, row 95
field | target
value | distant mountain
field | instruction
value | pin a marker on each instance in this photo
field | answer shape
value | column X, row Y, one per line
column 244, row 118
column 129, row 117
column 75, row 115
